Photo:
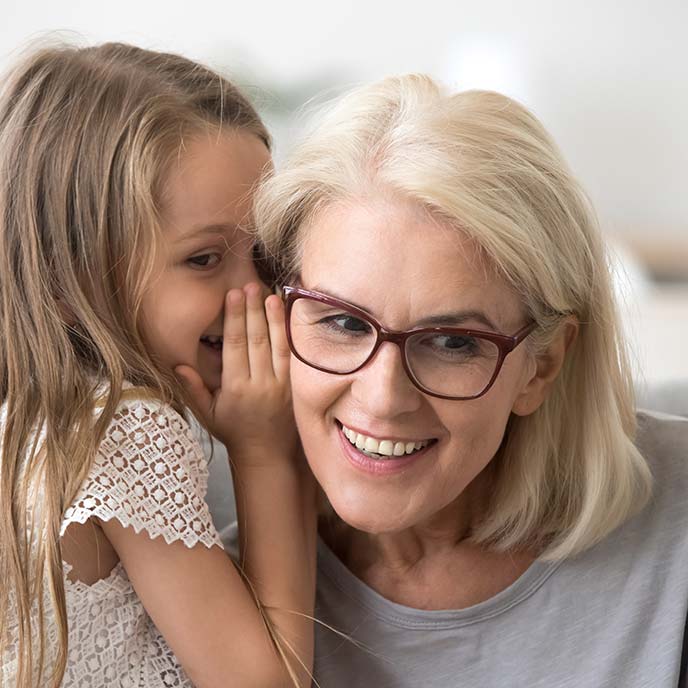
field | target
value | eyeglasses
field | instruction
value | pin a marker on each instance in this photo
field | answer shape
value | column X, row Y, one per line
column 445, row 362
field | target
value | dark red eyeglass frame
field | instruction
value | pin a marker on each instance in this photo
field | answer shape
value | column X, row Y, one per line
column 504, row 343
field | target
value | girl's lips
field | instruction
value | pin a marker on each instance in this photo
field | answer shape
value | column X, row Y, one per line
column 381, row 467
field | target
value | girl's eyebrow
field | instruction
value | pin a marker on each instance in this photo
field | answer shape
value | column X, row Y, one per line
column 207, row 230
column 454, row 319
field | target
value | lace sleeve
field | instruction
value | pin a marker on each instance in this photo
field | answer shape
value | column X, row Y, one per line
column 150, row 474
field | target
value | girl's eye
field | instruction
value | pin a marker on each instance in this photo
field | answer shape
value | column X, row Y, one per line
column 204, row 261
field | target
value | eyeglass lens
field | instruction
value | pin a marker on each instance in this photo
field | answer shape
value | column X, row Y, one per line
column 334, row 339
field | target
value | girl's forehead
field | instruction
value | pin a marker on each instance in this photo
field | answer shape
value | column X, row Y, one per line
column 212, row 179
column 403, row 264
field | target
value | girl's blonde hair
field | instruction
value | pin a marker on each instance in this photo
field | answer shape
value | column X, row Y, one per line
column 86, row 136
column 568, row 474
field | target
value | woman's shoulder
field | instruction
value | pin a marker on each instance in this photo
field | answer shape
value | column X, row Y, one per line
column 663, row 440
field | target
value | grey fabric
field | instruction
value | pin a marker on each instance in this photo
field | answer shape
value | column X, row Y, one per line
column 220, row 495
column 613, row 616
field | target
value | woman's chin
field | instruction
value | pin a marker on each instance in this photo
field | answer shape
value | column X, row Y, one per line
column 370, row 518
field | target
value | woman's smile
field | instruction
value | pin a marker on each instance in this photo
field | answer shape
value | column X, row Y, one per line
column 382, row 457
column 383, row 448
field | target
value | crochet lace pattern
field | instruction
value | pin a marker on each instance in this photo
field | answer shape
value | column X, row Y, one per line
column 150, row 474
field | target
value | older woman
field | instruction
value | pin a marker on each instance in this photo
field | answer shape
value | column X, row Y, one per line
column 463, row 397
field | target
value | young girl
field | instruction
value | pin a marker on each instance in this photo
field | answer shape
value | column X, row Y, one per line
column 126, row 268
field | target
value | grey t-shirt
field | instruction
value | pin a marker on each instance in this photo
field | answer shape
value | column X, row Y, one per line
column 612, row 617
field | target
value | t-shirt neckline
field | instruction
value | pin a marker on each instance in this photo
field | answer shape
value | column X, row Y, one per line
column 409, row 617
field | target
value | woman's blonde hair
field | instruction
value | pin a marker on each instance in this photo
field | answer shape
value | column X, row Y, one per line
column 86, row 136
column 568, row 474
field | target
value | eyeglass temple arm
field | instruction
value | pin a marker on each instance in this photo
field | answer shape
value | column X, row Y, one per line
column 524, row 332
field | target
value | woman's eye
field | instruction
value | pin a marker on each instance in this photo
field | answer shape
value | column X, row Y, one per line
column 346, row 323
column 452, row 345
column 456, row 342
column 204, row 260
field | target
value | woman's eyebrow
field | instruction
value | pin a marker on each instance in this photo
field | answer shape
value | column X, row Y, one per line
column 455, row 319
column 333, row 294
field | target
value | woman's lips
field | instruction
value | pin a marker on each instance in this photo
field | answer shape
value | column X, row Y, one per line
column 383, row 447
column 383, row 466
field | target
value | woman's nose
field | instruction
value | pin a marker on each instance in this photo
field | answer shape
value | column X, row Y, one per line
column 382, row 386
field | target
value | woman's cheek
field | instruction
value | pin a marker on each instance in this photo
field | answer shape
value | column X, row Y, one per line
column 308, row 399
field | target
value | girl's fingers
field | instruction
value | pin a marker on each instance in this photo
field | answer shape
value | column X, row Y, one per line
column 259, row 356
column 235, row 365
column 274, row 309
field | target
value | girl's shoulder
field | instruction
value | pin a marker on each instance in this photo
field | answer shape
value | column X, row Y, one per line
column 141, row 399
column 149, row 472
column 145, row 428
column 138, row 409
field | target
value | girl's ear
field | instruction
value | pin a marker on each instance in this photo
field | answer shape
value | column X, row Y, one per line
column 547, row 367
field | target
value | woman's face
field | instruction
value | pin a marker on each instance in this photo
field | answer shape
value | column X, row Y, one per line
column 403, row 267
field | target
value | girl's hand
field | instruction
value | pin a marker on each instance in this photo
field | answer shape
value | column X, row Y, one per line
column 275, row 491
column 251, row 411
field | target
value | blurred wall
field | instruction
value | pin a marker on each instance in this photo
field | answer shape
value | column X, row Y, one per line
column 608, row 78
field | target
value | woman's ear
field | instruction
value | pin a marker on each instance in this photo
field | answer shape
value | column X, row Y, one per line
column 547, row 367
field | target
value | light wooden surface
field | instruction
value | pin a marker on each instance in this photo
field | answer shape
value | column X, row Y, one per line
column 664, row 255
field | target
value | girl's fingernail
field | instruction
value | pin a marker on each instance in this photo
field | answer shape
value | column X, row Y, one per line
column 235, row 296
column 252, row 289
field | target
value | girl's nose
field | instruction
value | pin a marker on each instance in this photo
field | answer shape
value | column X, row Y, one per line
column 382, row 386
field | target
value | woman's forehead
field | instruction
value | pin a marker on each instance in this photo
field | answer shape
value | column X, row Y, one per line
column 399, row 262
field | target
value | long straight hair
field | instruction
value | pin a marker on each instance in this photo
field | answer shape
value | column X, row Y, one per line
column 568, row 474
column 86, row 135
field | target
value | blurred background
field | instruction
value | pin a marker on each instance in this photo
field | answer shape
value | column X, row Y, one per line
column 608, row 78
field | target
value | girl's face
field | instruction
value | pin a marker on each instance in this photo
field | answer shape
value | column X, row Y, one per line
column 206, row 249
column 405, row 269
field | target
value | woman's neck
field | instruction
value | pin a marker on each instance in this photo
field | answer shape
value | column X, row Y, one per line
column 432, row 564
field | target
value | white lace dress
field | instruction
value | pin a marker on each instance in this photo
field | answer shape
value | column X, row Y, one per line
column 150, row 474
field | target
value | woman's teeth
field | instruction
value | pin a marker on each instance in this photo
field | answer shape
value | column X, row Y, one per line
column 382, row 449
